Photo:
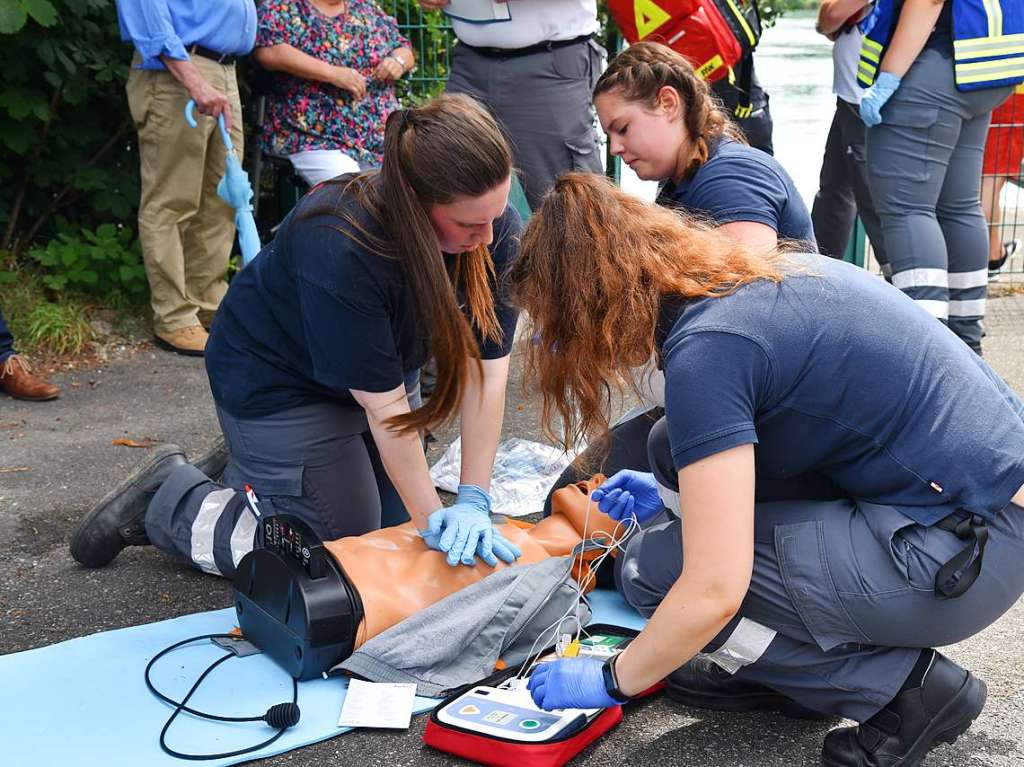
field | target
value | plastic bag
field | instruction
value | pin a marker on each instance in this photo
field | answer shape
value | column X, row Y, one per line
column 524, row 472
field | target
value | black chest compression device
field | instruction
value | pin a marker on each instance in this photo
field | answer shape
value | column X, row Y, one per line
column 295, row 604
column 294, row 601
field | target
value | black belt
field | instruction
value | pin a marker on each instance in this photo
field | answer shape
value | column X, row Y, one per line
column 957, row 575
column 221, row 58
column 511, row 53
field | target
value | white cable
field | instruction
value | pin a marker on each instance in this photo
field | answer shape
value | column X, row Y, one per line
column 615, row 541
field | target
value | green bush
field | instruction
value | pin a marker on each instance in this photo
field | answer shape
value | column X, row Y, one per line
column 68, row 142
column 105, row 261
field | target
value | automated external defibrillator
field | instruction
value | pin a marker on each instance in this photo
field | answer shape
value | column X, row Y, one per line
column 309, row 604
column 495, row 721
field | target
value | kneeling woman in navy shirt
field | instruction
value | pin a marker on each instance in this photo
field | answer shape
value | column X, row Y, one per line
column 663, row 121
column 315, row 352
column 847, row 498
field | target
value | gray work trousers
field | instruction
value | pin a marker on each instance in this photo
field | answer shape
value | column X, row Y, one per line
column 843, row 190
column 924, row 166
column 543, row 102
column 316, row 462
column 841, row 597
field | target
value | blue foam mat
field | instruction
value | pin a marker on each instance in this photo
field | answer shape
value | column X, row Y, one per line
column 84, row 702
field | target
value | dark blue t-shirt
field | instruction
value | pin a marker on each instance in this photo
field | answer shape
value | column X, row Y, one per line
column 740, row 183
column 317, row 314
column 838, row 375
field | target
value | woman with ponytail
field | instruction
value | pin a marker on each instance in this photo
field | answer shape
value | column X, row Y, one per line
column 879, row 516
column 314, row 358
column 663, row 121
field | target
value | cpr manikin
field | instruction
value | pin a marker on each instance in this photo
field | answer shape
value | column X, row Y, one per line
column 312, row 613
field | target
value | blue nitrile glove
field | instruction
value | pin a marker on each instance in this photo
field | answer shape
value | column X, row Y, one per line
column 570, row 683
column 464, row 530
column 627, row 493
column 875, row 97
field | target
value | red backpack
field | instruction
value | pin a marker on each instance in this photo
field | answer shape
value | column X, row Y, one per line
column 715, row 35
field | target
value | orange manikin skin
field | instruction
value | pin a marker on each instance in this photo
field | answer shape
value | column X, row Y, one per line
column 396, row 575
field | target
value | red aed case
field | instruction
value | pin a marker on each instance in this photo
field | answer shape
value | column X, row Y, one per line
column 715, row 35
column 503, row 752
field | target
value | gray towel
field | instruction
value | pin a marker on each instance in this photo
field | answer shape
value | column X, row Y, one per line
column 459, row 640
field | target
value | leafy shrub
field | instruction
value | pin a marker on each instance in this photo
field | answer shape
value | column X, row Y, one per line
column 66, row 137
column 105, row 261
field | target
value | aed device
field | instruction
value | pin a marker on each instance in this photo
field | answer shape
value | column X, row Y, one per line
column 506, row 710
column 293, row 600
column 495, row 722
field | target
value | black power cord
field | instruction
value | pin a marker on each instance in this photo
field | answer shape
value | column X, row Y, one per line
column 281, row 716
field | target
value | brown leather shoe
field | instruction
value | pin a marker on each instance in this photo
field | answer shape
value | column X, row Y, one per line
column 17, row 380
column 190, row 341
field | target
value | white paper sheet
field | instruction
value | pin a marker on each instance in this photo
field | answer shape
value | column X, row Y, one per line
column 377, row 704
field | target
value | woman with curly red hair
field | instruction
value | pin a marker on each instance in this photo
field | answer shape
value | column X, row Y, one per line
column 847, row 498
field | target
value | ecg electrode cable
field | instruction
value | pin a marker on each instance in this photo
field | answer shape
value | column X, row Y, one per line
column 281, row 716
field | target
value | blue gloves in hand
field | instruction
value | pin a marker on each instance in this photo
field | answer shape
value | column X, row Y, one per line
column 570, row 683
column 464, row 530
column 628, row 493
column 876, row 96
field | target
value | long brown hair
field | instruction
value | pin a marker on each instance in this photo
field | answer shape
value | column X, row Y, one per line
column 644, row 68
column 447, row 148
column 594, row 265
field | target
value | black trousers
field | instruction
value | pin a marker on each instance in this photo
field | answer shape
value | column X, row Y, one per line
column 843, row 189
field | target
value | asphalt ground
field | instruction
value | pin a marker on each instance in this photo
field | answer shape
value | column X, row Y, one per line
column 56, row 459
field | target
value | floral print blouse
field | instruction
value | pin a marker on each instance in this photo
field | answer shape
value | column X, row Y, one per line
column 306, row 114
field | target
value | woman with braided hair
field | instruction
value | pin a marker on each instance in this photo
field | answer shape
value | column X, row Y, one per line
column 662, row 120
column 314, row 358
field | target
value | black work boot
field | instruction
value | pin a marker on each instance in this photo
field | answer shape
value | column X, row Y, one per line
column 938, row 709
column 119, row 519
column 702, row 684
column 213, row 461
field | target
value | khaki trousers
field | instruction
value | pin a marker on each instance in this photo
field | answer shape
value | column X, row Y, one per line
column 185, row 229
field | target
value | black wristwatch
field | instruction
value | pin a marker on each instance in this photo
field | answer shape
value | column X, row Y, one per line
column 611, row 682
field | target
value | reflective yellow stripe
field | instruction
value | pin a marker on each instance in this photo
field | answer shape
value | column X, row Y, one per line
column 972, row 44
column 980, row 66
column 866, row 68
column 866, row 79
column 743, row 22
column 996, row 23
column 870, row 55
column 994, row 16
column 869, row 43
column 1008, row 50
column 1009, row 70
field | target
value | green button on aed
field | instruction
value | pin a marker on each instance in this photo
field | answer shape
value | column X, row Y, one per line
column 529, row 724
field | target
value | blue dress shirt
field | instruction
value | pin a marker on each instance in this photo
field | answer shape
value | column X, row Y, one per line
column 168, row 27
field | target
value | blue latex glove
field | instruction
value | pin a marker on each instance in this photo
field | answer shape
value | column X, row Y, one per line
column 628, row 493
column 570, row 683
column 464, row 530
column 876, row 96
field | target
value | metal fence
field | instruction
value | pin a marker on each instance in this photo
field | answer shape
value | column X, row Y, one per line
column 1002, row 188
column 432, row 39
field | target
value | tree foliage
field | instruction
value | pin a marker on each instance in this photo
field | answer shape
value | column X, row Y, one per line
column 67, row 138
